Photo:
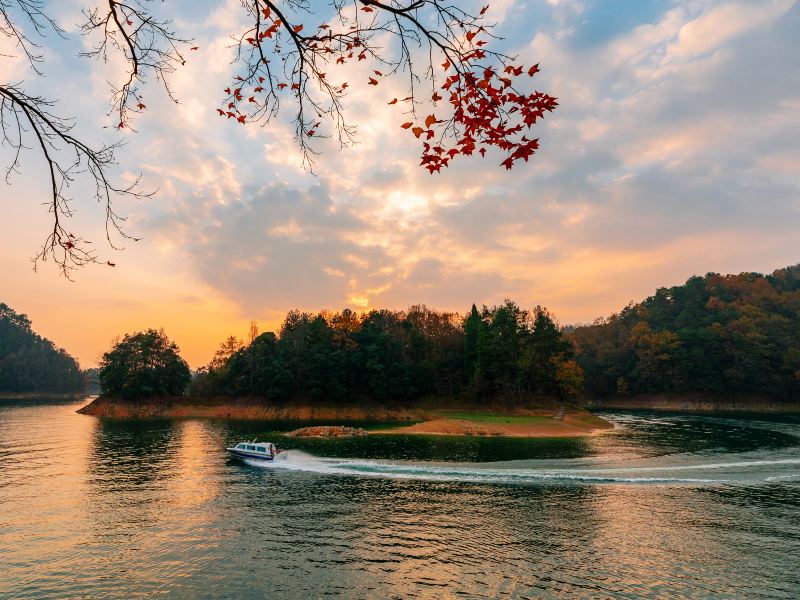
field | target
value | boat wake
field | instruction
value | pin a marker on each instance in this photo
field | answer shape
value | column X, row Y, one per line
column 736, row 471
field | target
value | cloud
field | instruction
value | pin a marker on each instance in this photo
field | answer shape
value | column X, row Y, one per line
column 673, row 151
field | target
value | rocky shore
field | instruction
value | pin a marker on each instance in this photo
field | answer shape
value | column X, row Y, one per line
column 327, row 431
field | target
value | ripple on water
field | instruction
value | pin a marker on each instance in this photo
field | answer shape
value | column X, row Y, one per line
column 121, row 509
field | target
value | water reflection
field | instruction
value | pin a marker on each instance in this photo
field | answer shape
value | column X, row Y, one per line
column 121, row 509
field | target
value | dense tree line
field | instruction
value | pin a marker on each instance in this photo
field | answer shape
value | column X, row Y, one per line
column 718, row 334
column 502, row 351
column 31, row 363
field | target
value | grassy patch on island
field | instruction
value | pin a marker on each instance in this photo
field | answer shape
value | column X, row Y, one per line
column 494, row 418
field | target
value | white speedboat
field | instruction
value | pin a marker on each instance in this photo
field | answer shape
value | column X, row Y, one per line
column 256, row 450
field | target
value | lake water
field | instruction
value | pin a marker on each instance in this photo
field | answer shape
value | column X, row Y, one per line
column 663, row 506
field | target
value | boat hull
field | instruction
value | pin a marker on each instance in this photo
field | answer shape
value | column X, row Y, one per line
column 247, row 454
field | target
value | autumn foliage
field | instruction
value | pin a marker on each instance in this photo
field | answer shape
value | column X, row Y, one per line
column 477, row 99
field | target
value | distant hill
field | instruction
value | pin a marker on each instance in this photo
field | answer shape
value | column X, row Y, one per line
column 31, row 363
column 718, row 334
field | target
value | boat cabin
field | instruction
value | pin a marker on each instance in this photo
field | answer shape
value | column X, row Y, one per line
column 260, row 450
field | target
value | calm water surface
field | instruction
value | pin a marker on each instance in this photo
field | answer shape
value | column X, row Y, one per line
column 663, row 506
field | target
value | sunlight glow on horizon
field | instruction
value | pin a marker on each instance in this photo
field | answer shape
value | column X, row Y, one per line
column 672, row 154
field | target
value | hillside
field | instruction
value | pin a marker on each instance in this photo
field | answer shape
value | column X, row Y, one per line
column 31, row 363
column 719, row 334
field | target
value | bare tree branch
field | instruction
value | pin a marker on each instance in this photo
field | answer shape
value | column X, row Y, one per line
column 148, row 45
column 26, row 123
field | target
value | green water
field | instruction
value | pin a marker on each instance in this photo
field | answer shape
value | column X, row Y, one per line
column 663, row 506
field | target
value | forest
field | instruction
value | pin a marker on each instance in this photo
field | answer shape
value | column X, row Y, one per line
column 31, row 363
column 499, row 352
column 716, row 335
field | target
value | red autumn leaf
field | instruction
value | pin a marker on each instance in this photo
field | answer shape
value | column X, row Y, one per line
column 298, row 28
column 393, row 101
column 373, row 81
column 406, row 125
column 417, row 131
column 195, row 48
column 430, row 120
column 110, row 264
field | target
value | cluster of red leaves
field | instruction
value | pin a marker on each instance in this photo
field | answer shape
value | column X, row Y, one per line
column 487, row 112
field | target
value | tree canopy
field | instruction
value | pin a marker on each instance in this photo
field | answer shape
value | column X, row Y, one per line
column 31, row 363
column 144, row 364
column 718, row 334
column 496, row 352
column 463, row 95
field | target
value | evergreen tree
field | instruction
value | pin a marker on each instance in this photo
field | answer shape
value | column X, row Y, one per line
column 31, row 363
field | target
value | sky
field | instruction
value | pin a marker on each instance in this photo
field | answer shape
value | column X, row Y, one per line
column 674, row 152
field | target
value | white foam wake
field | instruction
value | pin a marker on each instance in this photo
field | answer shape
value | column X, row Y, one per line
column 294, row 460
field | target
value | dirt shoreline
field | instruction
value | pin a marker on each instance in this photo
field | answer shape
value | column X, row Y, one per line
column 245, row 409
column 425, row 418
column 42, row 395
column 571, row 425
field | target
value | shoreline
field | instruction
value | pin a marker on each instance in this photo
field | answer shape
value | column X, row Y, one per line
column 42, row 395
column 575, row 423
column 423, row 418
column 696, row 403
column 252, row 409
column 430, row 416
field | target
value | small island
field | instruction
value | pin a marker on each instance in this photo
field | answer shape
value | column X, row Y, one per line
column 502, row 371
column 715, row 344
